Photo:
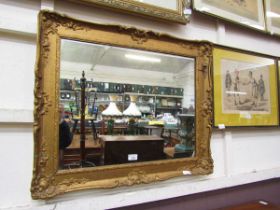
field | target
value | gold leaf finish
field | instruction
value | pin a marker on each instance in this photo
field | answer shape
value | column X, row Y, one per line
column 142, row 9
column 48, row 181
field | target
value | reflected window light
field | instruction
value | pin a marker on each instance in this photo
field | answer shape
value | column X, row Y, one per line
column 272, row 14
column 257, row 26
column 142, row 58
column 204, row 9
column 245, row 22
column 253, row 25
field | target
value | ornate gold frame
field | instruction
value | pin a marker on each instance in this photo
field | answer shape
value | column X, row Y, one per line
column 142, row 9
column 47, row 180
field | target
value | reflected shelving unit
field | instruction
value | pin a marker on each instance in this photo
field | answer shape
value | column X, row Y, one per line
column 151, row 100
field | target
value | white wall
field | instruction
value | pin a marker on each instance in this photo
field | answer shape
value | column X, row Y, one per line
column 241, row 155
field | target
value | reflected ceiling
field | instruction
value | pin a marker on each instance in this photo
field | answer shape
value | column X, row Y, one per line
column 87, row 56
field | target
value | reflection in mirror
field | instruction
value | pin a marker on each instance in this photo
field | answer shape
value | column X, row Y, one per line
column 171, row 4
column 121, row 105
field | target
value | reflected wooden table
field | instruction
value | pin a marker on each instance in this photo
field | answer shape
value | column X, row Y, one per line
column 119, row 129
column 150, row 128
column 125, row 149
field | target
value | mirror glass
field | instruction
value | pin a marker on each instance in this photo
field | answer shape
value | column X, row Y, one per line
column 170, row 4
column 137, row 105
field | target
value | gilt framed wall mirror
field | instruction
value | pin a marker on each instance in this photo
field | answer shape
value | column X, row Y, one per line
column 117, row 106
column 168, row 11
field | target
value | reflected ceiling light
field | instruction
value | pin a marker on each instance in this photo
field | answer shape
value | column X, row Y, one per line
column 272, row 14
column 143, row 58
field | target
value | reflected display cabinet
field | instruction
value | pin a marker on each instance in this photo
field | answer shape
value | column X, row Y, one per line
column 151, row 100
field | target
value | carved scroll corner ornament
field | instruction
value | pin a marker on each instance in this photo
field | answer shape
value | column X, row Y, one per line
column 137, row 35
column 41, row 182
column 46, row 187
column 206, row 52
column 43, row 158
column 140, row 37
column 137, row 177
column 207, row 108
column 69, row 183
column 203, row 166
column 37, row 109
column 43, row 187
column 51, row 21
column 42, row 102
column 189, row 46
column 205, row 49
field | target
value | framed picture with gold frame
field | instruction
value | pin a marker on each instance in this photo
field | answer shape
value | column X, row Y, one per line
column 245, row 89
column 246, row 12
column 170, row 11
column 278, row 76
column 272, row 11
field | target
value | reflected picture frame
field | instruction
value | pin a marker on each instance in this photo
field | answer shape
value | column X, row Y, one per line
column 48, row 179
column 249, row 13
column 272, row 14
column 140, row 8
column 245, row 88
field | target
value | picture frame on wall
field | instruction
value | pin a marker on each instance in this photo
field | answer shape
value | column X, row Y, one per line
column 167, row 11
column 278, row 76
column 245, row 12
column 245, row 89
column 272, row 12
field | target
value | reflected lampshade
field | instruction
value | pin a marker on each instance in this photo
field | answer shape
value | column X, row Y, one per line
column 132, row 109
column 112, row 109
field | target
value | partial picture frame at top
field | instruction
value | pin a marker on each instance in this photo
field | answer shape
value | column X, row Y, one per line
column 167, row 11
column 246, row 12
column 245, row 89
column 272, row 12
